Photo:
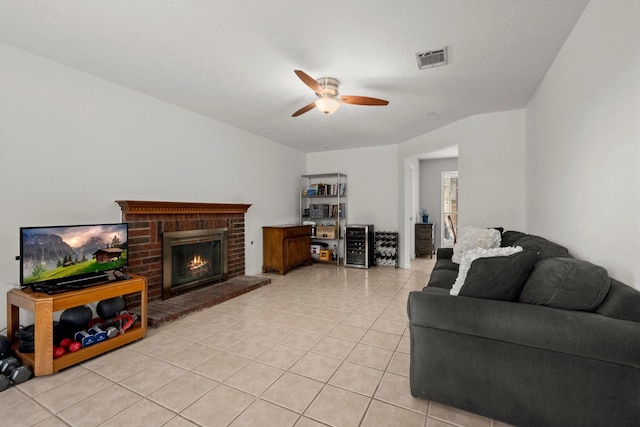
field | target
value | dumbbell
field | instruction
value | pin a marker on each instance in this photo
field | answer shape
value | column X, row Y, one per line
column 4, row 382
column 108, row 326
column 98, row 333
column 69, row 345
column 66, row 344
column 13, row 370
column 94, row 335
column 85, row 338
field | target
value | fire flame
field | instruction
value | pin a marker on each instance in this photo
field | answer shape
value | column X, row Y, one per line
column 197, row 263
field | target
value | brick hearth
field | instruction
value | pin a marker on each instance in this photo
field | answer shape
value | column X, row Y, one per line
column 163, row 311
column 148, row 221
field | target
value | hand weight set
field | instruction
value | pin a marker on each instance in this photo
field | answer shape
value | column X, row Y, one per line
column 94, row 335
column 13, row 371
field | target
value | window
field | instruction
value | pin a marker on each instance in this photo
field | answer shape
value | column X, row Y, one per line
column 449, row 206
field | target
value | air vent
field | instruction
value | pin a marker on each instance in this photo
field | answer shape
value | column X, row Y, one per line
column 432, row 58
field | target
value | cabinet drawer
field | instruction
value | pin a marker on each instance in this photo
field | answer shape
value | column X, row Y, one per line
column 424, row 236
column 303, row 230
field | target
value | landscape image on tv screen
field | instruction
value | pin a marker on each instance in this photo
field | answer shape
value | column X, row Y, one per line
column 50, row 254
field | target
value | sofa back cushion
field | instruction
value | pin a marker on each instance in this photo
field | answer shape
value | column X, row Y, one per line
column 566, row 283
column 622, row 302
column 546, row 248
column 442, row 278
column 510, row 237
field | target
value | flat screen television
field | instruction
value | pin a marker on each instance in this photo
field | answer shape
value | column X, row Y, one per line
column 73, row 255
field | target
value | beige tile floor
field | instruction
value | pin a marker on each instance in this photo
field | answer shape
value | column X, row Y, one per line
column 322, row 345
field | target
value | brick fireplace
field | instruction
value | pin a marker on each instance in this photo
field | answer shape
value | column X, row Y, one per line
column 149, row 220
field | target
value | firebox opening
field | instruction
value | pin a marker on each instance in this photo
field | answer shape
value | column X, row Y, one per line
column 193, row 258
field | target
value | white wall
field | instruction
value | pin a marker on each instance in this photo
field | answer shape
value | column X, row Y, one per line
column 491, row 165
column 583, row 184
column 372, row 182
column 71, row 144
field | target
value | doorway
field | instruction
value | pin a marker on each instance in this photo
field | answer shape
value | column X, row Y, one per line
column 449, row 214
column 422, row 189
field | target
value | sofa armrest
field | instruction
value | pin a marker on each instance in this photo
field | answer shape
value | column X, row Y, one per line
column 444, row 253
column 579, row 333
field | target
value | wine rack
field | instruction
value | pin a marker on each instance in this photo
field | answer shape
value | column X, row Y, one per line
column 386, row 248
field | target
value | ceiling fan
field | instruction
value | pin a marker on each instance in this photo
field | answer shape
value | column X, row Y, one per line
column 326, row 89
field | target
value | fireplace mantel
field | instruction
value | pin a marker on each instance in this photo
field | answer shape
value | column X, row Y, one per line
column 151, row 207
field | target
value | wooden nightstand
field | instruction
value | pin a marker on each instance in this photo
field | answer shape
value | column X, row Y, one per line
column 425, row 238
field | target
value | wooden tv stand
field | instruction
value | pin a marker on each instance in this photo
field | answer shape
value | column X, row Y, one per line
column 41, row 362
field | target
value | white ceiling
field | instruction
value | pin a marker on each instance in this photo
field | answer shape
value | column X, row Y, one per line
column 234, row 60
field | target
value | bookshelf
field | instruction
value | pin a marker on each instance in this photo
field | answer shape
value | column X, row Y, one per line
column 323, row 205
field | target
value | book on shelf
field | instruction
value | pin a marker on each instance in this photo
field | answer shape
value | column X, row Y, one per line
column 321, row 189
column 336, row 211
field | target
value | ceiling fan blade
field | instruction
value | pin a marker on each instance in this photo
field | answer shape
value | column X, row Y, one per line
column 304, row 109
column 362, row 100
column 309, row 81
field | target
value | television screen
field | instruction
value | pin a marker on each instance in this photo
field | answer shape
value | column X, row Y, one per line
column 69, row 254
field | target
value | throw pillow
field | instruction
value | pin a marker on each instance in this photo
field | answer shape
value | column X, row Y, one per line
column 472, row 238
column 567, row 283
column 499, row 277
column 469, row 256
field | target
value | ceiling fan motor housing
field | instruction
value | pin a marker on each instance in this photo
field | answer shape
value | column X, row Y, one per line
column 329, row 86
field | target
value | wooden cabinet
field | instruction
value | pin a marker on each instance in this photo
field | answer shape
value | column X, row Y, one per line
column 41, row 362
column 285, row 246
column 425, row 238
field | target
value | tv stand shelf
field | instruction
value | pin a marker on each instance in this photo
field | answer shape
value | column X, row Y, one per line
column 41, row 362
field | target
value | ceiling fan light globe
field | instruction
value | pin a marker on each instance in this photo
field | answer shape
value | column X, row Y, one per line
column 327, row 104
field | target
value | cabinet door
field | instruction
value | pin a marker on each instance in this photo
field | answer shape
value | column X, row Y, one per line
column 303, row 246
column 298, row 250
column 272, row 249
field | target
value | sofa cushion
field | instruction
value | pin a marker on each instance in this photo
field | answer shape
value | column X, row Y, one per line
column 509, row 238
column 442, row 278
column 470, row 238
column 444, row 253
column 568, row 332
column 500, row 277
column 469, row 256
column 546, row 248
column 566, row 283
column 446, row 264
column 622, row 302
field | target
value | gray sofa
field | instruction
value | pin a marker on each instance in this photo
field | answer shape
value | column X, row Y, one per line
column 562, row 349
